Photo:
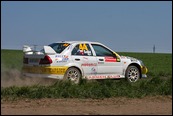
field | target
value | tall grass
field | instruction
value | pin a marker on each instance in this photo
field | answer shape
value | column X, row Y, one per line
column 98, row 89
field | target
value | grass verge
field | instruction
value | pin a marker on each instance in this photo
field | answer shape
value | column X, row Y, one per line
column 102, row 89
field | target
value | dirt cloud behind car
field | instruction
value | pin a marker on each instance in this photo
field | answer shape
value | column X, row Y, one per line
column 13, row 77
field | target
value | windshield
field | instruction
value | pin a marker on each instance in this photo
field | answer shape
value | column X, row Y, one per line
column 59, row 47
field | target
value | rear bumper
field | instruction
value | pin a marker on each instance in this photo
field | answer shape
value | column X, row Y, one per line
column 49, row 70
column 56, row 72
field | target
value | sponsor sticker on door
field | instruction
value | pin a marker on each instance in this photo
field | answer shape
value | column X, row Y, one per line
column 110, row 59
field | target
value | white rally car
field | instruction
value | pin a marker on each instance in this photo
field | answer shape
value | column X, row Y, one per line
column 77, row 60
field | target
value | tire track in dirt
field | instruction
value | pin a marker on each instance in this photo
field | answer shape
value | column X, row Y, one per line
column 157, row 105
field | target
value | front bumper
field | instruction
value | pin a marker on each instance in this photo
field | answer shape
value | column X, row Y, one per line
column 144, row 71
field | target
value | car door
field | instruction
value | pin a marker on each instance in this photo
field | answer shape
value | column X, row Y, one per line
column 107, row 60
column 83, row 55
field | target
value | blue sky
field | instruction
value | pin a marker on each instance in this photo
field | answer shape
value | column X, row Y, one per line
column 128, row 26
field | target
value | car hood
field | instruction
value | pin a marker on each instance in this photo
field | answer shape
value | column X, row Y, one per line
column 130, row 58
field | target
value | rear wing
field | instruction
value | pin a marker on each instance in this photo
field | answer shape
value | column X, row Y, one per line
column 32, row 50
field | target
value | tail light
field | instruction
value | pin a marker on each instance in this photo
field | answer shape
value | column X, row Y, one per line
column 46, row 60
column 25, row 60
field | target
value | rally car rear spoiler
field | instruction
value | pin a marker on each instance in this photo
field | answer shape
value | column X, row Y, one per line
column 46, row 50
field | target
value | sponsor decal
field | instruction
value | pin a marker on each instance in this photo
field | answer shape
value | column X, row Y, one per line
column 87, row 52
column 61, row 58
column 96, row 77
column 89, row 64
column 83, row 50
column 100, row 62
column 66, row 44
column 103, row 76
column 110, row 59
column 85, row 59
column 45, row 70
column 83, row 47
column 93, row 70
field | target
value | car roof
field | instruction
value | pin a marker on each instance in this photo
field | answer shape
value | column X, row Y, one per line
column 72, row 42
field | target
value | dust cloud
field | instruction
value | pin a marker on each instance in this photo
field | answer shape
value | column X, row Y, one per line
column 13, row 77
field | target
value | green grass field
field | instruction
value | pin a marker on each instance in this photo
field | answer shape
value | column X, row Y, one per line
column 11, row 59
column 158, row 83
column 157, row 64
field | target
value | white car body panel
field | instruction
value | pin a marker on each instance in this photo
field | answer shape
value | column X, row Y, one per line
column 91, row 67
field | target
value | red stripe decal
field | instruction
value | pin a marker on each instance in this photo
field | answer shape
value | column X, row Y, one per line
column 110, row 59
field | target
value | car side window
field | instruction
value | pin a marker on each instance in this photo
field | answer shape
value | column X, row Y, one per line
column 82, row 50
column 102, row 51
column 58, row 47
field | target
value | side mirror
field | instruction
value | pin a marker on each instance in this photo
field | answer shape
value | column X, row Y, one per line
column 117, row 57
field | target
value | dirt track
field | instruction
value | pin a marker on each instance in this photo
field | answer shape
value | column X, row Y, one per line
column 112, row 106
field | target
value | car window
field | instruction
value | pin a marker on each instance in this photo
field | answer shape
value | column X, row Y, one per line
column 82, row 49
column 102, row 51
column 59, row 47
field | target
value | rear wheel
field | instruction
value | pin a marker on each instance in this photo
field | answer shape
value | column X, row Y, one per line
column 132, row 74
column 73, row 74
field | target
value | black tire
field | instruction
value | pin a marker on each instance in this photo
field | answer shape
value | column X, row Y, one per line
column 73, row 74
column 132, row 74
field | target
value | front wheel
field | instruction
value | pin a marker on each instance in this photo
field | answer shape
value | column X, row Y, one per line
column 132, row 74
column 73, row 74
